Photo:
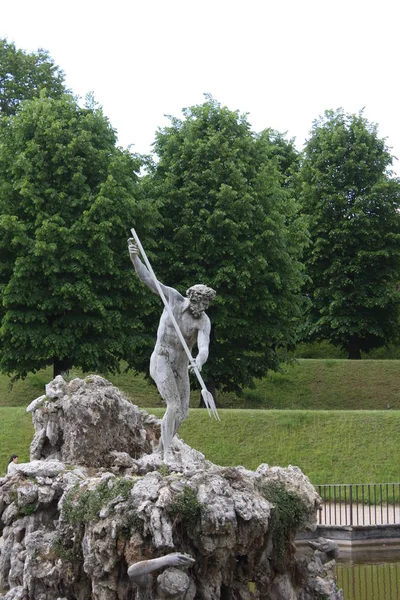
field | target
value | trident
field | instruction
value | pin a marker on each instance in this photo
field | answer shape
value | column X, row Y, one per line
column 207, row 396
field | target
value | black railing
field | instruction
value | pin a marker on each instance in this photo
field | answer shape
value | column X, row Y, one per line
column 359, row 504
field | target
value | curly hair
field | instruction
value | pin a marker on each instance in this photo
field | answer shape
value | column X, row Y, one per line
column 201, row 290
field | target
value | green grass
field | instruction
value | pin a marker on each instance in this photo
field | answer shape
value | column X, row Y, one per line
column 314, row 419
column 329, row 446
column 22, row 392
column 330, row 384
column 312, row 384
column 16, row 432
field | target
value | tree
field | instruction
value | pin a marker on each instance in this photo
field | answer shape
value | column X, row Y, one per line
column 68, row 196
column 229, row 221
column 24, row 76
column 353, row 259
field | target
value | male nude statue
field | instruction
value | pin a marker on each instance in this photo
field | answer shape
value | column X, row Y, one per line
column 169, row 364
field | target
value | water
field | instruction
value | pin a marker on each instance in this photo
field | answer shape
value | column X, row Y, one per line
column 366, row 578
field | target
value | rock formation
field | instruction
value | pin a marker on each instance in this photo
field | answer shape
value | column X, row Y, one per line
column 94, row 500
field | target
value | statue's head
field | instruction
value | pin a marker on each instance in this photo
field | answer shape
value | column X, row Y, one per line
column 200, row 297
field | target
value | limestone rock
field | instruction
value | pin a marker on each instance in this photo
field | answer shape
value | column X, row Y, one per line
column 39, row 468
column 71, row 532
column 85, row 422
column 173, row 583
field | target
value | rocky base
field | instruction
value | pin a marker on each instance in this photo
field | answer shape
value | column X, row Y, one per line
column 71, row 530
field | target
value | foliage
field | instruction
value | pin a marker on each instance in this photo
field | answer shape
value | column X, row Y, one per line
column 67, row 198
column 186, row 507
column 29, row 509
column 132, row 522
column 70, row 551
column 25, row 76
column 83, row 505
column 230, row 220
column 164, row 470
column 354, row 257
column 288, row 514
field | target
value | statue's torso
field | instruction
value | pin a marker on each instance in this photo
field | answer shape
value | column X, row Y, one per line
column 168, row 342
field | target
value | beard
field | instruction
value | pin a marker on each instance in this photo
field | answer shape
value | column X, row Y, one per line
column 195, row 312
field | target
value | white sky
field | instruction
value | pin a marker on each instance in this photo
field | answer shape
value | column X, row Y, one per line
column 282, row 61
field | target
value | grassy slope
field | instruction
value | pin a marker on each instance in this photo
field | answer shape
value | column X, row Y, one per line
column 331, row 385
column 314, row 384
column 330, row 446
column 16, row 434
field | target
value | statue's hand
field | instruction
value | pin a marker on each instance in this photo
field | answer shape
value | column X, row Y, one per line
column 133, row 247
column 176, row 559
column 198, row 365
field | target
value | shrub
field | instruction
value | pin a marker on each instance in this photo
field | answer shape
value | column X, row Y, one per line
column 83, row 505
column 287, row 515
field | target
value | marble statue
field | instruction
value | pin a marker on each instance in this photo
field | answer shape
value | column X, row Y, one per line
column 169, row 363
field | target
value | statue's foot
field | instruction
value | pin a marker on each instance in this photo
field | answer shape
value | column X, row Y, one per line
column 168, row 458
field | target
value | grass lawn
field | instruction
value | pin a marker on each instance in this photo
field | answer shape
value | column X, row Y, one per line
column 329, row 446
column 327, row 416
column 330, row 384
column 313, row 384
column 16, row 432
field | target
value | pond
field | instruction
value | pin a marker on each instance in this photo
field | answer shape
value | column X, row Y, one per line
column 370, row 578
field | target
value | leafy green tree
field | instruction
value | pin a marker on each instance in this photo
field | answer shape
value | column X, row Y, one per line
column 68, row 196
column 230, row 221
column 24, row 76
column 353, row 259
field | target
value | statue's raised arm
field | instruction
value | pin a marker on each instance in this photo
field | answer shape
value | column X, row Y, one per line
column 143, row 273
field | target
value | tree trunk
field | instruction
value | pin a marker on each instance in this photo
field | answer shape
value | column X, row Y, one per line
column 210, row 385
column 353, row 350
column 62, row 367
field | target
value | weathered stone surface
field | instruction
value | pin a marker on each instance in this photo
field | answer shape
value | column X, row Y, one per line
column 71, row 533
column 39, row 468
column 85, row 422
column 174, row 582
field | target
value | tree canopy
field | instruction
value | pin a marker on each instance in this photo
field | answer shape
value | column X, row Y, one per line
column 67, row 198
column 229, row 220
column 24, row 76
column 354, row 257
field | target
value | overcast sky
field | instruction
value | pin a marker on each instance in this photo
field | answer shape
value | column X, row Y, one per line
column 283, row 61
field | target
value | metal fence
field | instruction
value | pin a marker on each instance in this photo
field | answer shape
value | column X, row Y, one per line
column 360, row 504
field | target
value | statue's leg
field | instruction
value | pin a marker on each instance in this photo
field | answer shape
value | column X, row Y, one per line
column 164, row 377
column 183, row 385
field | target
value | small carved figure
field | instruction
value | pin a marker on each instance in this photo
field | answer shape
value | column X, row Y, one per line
column 12, row 464
column 139, row 573
column 325, row 549
column 169, row 363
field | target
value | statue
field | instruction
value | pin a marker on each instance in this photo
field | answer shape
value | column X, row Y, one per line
column 170, row 364
column 325, row 549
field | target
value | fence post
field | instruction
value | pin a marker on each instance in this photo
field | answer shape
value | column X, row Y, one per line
column 351, row 503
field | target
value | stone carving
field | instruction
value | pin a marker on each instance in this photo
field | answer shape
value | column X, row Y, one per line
column 169, row 363
column 325, row 549
column 82, row 530
column 173, row 583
